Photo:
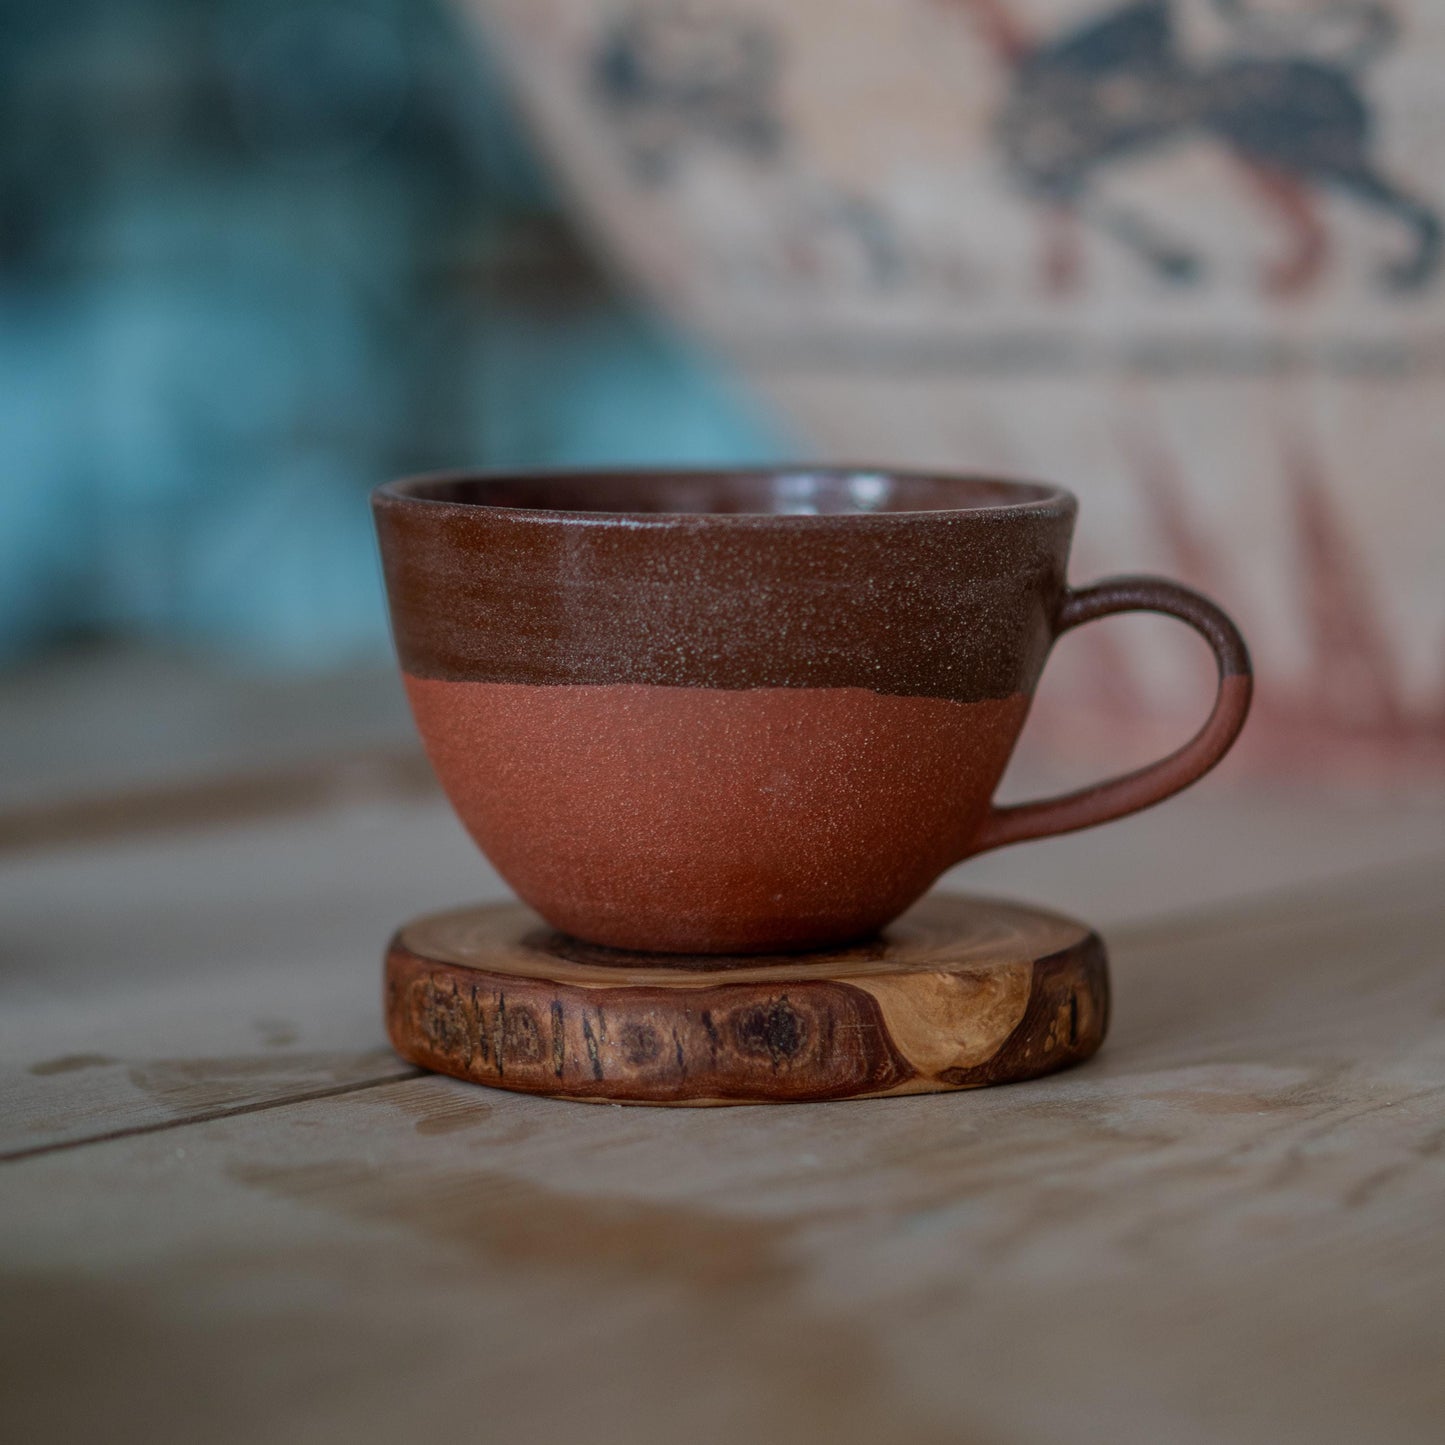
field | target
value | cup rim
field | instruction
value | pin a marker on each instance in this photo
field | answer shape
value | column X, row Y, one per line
column 1027, row 498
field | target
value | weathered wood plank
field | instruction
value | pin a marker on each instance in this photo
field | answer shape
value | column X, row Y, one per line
column 217, row 970
column 1224, row 1228
column 228, row 967
column 90, row 724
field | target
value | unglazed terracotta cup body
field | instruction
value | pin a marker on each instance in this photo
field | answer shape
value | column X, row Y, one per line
column 742, row 712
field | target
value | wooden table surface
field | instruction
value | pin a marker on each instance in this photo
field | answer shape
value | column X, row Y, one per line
column 229, row 1213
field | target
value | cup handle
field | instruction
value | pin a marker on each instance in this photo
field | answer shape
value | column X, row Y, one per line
column 1149, row 785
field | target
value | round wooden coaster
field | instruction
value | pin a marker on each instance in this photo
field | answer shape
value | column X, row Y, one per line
column 959, row 993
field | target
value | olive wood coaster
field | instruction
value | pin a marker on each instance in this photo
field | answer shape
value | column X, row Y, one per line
column 958, row 993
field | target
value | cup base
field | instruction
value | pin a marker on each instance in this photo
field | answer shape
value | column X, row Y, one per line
column 959, row 993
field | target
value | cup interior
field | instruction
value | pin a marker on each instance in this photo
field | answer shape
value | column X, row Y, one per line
column 788, row 492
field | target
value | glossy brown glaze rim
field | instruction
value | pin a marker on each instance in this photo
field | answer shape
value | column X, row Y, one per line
column 954, row 602
column 1029, row 498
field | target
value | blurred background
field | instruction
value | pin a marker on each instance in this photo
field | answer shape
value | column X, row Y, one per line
column 1183, row 256
column 255, row 259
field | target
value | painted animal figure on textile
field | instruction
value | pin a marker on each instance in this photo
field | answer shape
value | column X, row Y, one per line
column 1284, row 102
column 675, row 75
column 677, row 78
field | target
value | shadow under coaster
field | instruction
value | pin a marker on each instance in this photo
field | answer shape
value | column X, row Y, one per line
column 957, row 994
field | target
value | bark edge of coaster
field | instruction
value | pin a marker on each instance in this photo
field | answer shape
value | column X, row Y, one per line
column 959, row 993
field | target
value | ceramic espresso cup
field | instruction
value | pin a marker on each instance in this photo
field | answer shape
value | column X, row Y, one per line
column 742, row 712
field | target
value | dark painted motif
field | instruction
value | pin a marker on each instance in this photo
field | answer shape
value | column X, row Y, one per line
column 676, row 75
column 1284, row 100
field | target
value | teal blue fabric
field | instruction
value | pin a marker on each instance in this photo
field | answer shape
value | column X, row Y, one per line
column 239, row 245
